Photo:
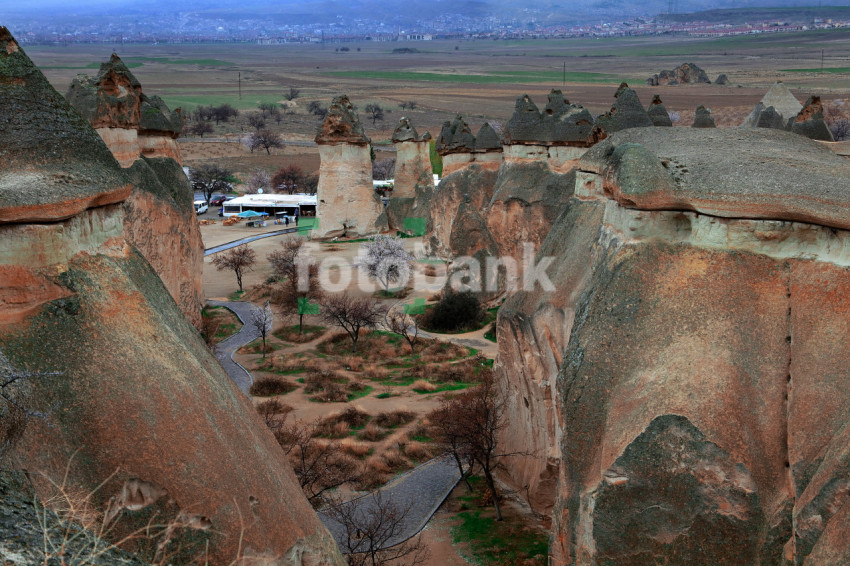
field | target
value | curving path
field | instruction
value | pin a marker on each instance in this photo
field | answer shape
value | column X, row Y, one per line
column 421, row 491
column 234, row 243
column 226, row 348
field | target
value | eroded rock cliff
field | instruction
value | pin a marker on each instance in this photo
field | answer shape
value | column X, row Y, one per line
column 141, row 132
column 140, row 407
column 690, row 353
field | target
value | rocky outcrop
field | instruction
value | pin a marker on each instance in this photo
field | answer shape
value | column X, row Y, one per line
column 658, row 113
column 686, row 73
column 142, row 414
column 690, row 353
column 159, row 217
column 762, row 117
column 627, row 112
column 721, row 79
column 810, row 123
column 347, row 201
column 702, row 118
column 413, row 186
column 130, row 122
column 781, row 100
column 558, row 135
column 459, row 148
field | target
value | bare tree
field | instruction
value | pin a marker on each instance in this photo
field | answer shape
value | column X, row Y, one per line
column 259, row 179
column 200, row 128
column 209, row 178
column 262, row 320
column 371, row 528
column 298, row 291
column 470, row 423
column 265, row 139
column 269, row 107
column 319, row 465
column 386, row 260
column 383, row 169
column 288, row 179
column 210, row 326
column 238, row 260
column 292, row 94
column 352, row 313
column 256, row 121
column 399, row 322
column 374, row 112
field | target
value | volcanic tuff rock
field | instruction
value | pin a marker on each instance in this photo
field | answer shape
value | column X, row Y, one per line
column 560, row 123
column 414, row 179
column 782, row 101
column 762, row 117
column 132, row 386
column 159, row 217
column 459, row 148
column 702, row 118
column 721, row 79
column 810, row 123
column 130, row 122
column 658, row 113
column 689, row 360
column 347, row 203
column 686, row 73
column 627, row 112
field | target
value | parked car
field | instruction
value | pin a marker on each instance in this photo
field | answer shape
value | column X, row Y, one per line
column 217, row 200
column 201, row 206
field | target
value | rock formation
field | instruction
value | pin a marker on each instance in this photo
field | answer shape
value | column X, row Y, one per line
column 459, row 148
column 781, row 100
column 810, row 123
column 130, row 122
column 721, row 79
column 702, row 118
column 347, row 202
column 762, row 117
column 139, row 403
column 687, row 379
column 627, row 112
column 413, row 186
column 159, row 218
column 686, row 73
column 658, row 113
column 558, row 135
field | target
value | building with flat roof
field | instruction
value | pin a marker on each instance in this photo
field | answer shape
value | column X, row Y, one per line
column 272, row 204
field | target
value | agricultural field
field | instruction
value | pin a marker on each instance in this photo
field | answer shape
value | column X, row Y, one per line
column 479, row 79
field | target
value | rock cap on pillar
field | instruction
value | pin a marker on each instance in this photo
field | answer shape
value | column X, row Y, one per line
column 342, row 125
column 406, row 132
column 560, row 123
column 53, row 164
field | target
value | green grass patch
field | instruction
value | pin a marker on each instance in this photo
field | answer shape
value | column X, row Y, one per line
column 491, row 77
column 362, row 393
column 499, row 542
column 236, row 295
column 386, row 395
column 832, row 70
column 451, row 386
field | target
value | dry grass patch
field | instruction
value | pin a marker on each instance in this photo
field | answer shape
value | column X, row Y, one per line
column 372, row 433
column 393, row 419
column 355, row 449
column 269, row 386
column 418, row 451
column 424, row 386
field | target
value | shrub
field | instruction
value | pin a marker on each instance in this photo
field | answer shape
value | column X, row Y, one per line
column 268, row 386
column 372, row 433
column 418, row 451
column 353, row 448
column 424, row 386
column 454, row 311
column 394, row 419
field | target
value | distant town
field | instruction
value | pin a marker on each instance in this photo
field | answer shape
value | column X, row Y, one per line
column 187, row 28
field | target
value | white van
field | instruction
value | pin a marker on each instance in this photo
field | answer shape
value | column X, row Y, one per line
column 201, row 206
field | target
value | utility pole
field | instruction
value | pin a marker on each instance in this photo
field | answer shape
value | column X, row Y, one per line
column 240, row 85
column 821, row 60
column 564, row 77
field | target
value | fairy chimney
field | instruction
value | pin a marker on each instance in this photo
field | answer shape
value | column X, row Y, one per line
column 347, row 202
column 459, row 148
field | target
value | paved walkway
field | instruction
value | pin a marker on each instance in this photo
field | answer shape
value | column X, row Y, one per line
column 226, row 348
column 234, row 243
column 421, row 491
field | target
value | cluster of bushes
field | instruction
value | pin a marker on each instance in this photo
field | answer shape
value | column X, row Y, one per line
column 453, row 312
